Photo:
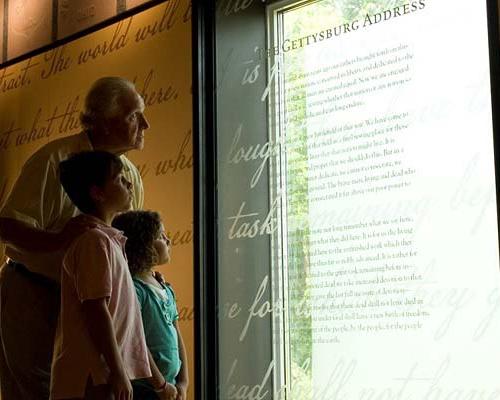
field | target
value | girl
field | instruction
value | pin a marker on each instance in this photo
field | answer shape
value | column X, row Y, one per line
column 148, row 246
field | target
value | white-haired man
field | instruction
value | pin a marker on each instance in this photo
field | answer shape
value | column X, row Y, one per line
column 33, row 225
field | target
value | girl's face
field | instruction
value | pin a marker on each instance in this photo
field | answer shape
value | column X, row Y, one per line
column 162, row 247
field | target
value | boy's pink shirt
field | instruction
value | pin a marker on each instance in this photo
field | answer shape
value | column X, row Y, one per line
column 94, row 267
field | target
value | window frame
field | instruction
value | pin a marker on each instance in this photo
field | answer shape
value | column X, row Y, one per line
column 278, row 192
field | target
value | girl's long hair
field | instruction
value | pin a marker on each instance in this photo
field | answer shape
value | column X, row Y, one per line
column 141, row 228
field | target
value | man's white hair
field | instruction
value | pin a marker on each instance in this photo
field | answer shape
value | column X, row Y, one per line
column 103, row 100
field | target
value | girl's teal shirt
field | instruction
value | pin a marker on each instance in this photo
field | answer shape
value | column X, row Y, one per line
column 158, row 317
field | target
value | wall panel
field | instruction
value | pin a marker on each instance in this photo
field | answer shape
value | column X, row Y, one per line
column 76, row 15
column 41, row 98
column 29, row 26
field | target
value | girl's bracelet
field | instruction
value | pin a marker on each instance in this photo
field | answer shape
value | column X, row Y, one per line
column 161, row 388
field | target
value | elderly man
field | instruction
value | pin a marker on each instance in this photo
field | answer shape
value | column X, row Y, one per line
column 33, row 226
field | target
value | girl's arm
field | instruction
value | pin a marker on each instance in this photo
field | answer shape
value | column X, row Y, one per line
column 168, row 391
column 100, row 328
column 182, row 378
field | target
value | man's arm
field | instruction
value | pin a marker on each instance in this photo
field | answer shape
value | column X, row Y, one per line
column 25, row 237
column 182, row 378
column 30, row 206
column 100, row 328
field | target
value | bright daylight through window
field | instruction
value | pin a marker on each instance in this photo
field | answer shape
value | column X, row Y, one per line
column 387, row 254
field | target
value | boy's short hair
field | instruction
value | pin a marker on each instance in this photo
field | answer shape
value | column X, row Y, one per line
column 81, row 171
column 141, row 229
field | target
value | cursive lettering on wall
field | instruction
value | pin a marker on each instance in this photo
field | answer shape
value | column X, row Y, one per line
column 257, row 152
column 6, row 136
column 55, row 62
column 153, row 95
column 247, row 392
column 11, row 81
column 229, row 310
column 180, row 237
column 186, row 313
column 183, row 160
column 228, row 7
column 248, row 226
column 63, row 122
column 259, row 308
column 471, row 195
column 118, row 41
column 188, row 13
column 36, row 132
column 165, row 23
column 335, row 386
column 69, row 121
column 143, row 169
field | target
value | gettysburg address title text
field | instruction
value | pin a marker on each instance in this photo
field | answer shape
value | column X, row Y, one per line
column 369, row 19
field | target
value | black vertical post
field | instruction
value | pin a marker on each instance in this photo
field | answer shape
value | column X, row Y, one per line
column 494, row 44
column 205, row 201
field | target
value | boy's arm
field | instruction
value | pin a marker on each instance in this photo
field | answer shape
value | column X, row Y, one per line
column 100, row 328
column 182, row 378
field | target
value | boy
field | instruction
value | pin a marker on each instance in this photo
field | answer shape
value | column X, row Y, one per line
column 100, row 344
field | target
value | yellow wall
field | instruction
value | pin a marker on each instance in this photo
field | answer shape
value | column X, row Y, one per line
column 154, row 50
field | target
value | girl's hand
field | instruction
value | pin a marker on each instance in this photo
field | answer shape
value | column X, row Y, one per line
column 169, row 393
column 181, row 391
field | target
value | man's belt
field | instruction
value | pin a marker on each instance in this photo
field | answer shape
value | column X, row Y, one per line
column 34, row 277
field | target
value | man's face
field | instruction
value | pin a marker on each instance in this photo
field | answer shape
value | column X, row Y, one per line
column 127, row 128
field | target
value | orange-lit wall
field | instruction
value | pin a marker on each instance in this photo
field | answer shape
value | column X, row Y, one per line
column 153, row 49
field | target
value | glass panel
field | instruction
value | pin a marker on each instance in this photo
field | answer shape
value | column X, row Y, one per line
column 358, row 244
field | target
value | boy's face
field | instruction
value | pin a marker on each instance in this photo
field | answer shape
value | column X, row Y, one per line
column 116, row 194
column 162, row 247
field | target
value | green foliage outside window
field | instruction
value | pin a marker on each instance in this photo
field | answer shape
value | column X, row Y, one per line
column 300, row 22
